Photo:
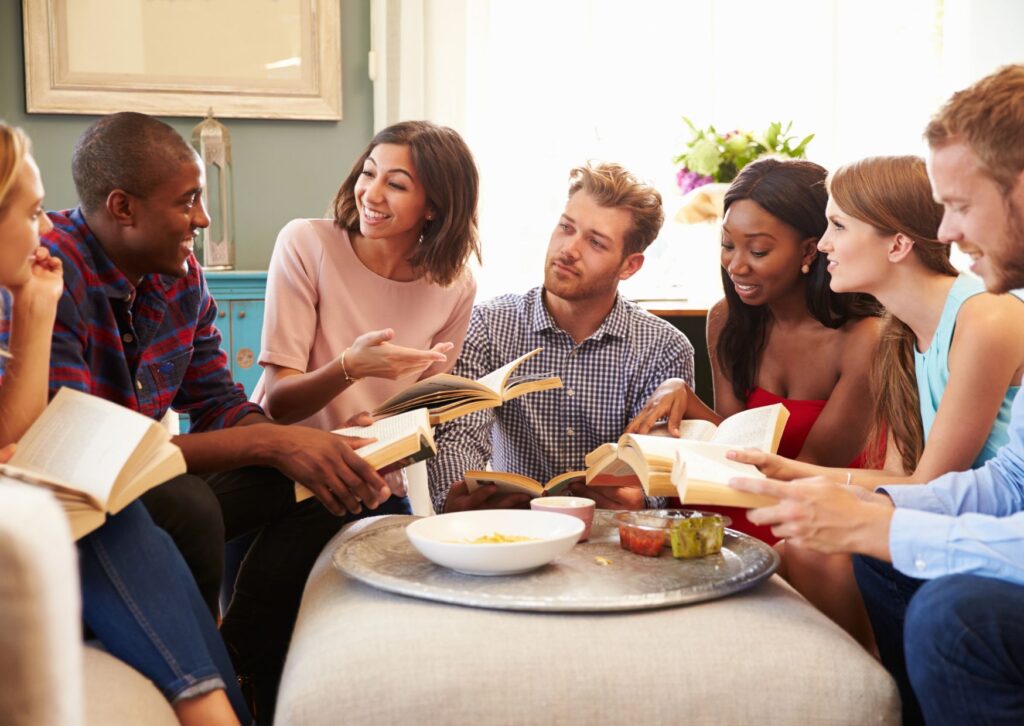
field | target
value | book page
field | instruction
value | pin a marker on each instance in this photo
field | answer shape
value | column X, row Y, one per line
column 496, row 380
column 388, row 430
column 82, row 441
column 507, row 482
column 754, row 427
column 701, row 476
column 442, row 386
column 706, row 461
column 696, row 429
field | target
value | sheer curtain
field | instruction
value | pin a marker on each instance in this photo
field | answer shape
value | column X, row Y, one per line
column 539, row 86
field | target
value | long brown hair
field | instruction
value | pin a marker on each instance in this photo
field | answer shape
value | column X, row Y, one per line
column 893, row 195
column 445, row 167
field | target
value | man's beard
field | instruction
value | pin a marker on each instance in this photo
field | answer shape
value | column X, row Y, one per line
column 1008, row 262
column 580, row 289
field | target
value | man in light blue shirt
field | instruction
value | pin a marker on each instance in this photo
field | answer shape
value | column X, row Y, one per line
column 948, row 613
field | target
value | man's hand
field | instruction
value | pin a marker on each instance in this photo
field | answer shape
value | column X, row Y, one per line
column 372, row 356
column 328, row 465
column 824, row 516
column 772, row 466
column 486, row 496
column 668, row 400
column 610, row 497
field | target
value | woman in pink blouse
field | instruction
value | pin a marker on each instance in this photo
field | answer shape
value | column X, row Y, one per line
column 359, row 305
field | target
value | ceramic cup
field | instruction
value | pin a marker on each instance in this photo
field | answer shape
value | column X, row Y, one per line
column 579, row 507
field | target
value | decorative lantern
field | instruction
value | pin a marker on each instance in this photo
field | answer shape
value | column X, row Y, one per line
column 216, row 249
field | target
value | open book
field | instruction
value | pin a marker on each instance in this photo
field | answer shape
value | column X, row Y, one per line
column 700, row 465
column 449, row 396
column 96, row 456
column 509, row 483
column 401, row 440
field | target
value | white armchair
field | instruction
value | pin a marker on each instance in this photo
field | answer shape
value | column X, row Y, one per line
column 46, row 675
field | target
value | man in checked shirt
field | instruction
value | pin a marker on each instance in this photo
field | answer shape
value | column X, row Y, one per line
column 609, row 353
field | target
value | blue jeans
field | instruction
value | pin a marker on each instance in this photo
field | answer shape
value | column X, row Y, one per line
column 140, row 600
column 955, row 645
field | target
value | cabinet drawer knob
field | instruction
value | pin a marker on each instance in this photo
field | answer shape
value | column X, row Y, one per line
column 241, row 313
column 245, row 358
column 221, row 314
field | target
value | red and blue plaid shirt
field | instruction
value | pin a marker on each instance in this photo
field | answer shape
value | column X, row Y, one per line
column 150, row 347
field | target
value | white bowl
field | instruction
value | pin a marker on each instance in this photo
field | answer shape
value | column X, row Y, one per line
column 445, row 539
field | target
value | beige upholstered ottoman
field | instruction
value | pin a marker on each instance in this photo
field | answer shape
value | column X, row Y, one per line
column 360, row 655
column 46, row 676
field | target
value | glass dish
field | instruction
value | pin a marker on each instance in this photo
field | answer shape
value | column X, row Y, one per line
column 648, row 531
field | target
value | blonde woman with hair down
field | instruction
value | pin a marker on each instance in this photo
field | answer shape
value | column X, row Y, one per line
column 946, row 369
column 138, row 597
column 33, row 280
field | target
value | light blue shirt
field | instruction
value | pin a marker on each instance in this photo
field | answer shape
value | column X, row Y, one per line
column 965, row 522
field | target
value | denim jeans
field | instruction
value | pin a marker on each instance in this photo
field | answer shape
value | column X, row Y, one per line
column 955, row 645
column 289, row 537
column 141, row 602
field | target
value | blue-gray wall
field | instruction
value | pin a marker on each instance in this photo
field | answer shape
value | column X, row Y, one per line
column 282, row 169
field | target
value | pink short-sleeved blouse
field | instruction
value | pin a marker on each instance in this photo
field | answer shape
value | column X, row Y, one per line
column 321, row 297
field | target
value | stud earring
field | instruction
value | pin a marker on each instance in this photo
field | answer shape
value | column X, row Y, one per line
column 805, row 268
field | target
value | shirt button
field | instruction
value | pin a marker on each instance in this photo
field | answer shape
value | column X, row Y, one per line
column 570, row 432
column 127, row 338
column 920, row 564
column 138, row 385
column 569, row 392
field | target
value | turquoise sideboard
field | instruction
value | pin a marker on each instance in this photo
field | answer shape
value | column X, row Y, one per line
column 240, row 298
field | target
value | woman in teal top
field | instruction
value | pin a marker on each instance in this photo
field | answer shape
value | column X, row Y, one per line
column 932, row 371
column 945, row 370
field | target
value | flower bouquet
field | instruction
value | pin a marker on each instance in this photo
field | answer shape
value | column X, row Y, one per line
column 713, row 158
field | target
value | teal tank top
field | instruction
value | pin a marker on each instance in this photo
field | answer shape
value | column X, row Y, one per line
column 932, row 370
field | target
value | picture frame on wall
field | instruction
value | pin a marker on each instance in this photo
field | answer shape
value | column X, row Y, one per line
column 270, row 59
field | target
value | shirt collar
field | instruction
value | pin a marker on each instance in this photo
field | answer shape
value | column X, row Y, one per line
column 615, row 323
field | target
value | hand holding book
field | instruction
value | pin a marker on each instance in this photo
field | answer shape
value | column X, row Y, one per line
column 697, row 467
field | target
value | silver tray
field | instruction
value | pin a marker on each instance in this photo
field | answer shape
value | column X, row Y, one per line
column 383, row 557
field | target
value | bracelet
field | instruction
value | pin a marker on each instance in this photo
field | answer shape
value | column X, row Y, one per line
column 344, row 370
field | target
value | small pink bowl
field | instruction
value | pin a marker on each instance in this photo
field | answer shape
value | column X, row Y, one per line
column 579, row 507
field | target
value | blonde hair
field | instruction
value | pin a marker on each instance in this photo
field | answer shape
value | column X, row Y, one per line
column 893, row 195
column 989, row 117
column 614, row 187
column 14, row 147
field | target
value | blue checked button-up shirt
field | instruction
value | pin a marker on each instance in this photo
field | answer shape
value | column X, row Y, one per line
column 606, row 380
column 966, row 522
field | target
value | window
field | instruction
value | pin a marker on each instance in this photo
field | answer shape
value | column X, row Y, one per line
column 537, row 87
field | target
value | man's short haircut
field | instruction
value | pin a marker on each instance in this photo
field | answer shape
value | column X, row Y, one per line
column 989, row 118
column 129, row 151
column 614, row 187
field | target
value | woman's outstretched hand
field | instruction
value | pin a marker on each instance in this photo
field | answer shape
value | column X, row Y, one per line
column 669, row 401
column 773, row 466
column 373, row 356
